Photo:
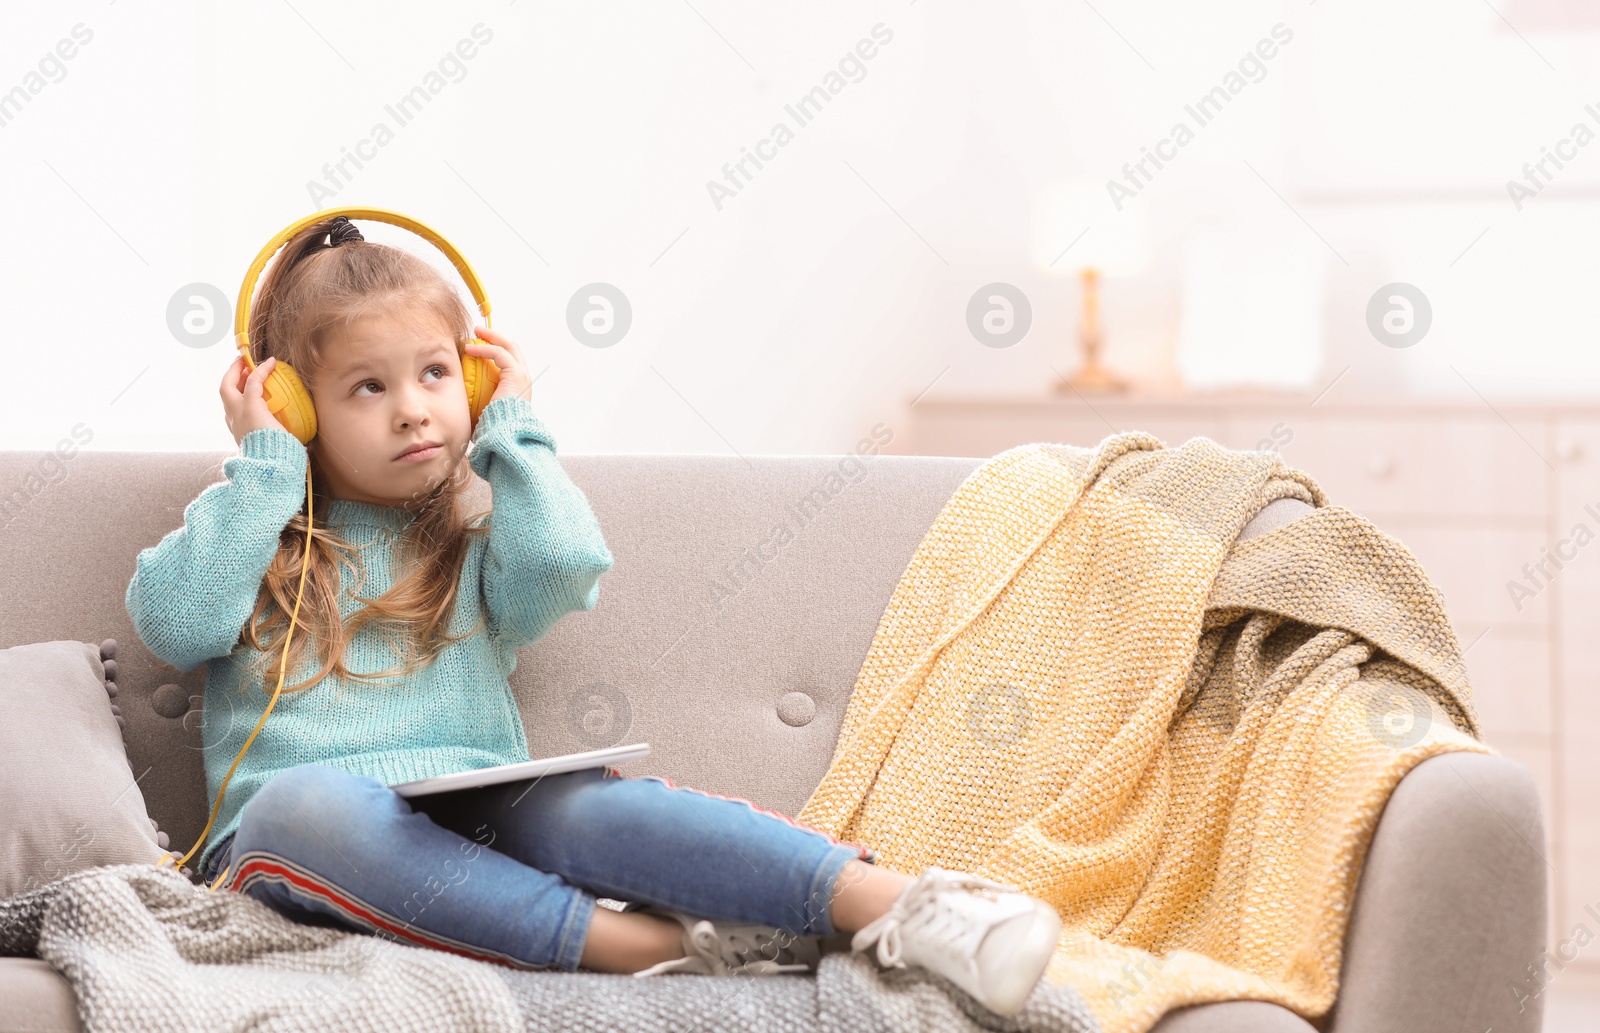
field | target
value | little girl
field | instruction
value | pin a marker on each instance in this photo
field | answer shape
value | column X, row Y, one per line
column 430, row 614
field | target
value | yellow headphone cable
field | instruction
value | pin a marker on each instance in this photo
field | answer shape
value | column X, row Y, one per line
column 283, row 669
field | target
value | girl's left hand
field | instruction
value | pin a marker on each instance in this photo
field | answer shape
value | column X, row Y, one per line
column 500, row 350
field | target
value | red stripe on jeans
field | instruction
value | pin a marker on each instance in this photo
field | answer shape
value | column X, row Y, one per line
column 259, row 868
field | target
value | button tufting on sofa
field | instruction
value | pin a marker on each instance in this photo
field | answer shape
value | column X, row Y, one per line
column 108, row 649
column 171, row 701
column 797, row 709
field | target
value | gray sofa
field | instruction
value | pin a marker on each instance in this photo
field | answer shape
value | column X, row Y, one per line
column 734, row 656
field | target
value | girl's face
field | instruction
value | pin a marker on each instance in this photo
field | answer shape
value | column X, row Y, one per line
column 390, row 381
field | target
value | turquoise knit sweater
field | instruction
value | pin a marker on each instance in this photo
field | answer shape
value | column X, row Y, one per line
column 193, row 592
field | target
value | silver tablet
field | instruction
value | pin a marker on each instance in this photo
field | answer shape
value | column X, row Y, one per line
column 526, row 769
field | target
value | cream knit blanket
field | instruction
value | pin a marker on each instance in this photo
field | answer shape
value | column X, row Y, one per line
column 1071, row 692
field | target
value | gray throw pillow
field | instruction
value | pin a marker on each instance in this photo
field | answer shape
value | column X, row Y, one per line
column 68, row 799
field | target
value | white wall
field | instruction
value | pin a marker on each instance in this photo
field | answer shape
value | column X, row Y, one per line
column 833, row 288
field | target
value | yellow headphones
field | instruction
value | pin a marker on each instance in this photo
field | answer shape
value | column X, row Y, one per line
column 290, row 404
column 286, row 396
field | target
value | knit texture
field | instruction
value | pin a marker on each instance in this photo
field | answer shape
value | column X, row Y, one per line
column 193, row 592
column 1069, row 692
column 144, row 949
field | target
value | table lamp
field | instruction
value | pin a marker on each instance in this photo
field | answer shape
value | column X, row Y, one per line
column 1078, row 231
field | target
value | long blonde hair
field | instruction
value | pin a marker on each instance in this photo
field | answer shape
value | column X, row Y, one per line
column 314, row 286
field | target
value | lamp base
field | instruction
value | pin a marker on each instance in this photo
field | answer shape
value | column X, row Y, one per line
column 1091, row 376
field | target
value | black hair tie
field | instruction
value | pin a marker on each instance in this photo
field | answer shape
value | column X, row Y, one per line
column 342, row 231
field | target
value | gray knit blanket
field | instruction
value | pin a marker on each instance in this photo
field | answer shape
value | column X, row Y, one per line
column 146, row 949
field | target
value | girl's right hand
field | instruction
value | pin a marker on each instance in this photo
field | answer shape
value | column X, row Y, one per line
column 243, row 401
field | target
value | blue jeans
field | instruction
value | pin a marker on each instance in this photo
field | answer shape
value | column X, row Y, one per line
column 509, row 873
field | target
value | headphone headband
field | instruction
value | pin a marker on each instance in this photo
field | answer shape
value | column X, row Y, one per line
column 241, row 317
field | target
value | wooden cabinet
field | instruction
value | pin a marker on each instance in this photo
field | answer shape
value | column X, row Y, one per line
column 1575, row 604
column 1500, row 502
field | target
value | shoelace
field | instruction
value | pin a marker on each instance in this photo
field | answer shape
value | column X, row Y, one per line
column 736, row 951
column 885, row 929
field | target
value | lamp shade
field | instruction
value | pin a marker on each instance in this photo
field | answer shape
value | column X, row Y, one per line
column 1075, row 226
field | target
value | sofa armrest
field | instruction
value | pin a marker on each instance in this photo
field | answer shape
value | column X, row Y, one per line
column 1232, row 1017
column 1450, row 909
column 37, row 998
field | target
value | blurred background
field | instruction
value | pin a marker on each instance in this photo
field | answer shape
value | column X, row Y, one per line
column 1360, row 234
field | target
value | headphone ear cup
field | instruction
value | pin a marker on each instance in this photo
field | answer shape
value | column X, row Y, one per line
column 481, row 377
column 290, row 403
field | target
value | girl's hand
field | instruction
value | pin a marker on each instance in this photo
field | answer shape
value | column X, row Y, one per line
column 243, row 402
column 514, row 379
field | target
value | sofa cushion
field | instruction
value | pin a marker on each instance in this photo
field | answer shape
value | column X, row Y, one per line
column 1273, row 516
column 70, row 798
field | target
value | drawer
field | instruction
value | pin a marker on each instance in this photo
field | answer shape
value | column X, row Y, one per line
column 1577, row 731
column 989, row 430
column 1575, row 599
column 1447, row 467
column 985, row 436
column 1511, row 686
column 1578, row 766
column 1580, row 779
column 1576, row 454
column 1471, row 566
column 1579, row 877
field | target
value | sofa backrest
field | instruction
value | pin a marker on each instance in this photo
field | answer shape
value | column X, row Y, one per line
column 728, row 634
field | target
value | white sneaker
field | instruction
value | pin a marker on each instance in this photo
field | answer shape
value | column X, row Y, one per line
column 730, row 949
column 988, row 938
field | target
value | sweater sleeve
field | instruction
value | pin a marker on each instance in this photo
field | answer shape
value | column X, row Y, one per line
column 545, row 552
column 193, row 591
